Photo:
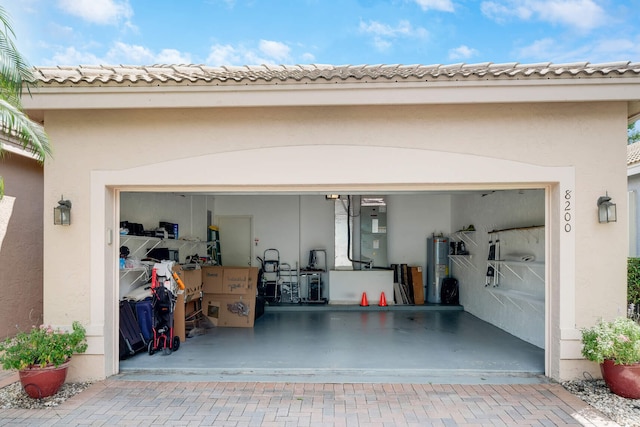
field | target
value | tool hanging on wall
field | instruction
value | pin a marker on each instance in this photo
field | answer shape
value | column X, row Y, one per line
column 493, row 268
column 496, row 278
column 490, row 275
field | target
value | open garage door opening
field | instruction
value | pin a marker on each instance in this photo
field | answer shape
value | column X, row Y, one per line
column 342, row 286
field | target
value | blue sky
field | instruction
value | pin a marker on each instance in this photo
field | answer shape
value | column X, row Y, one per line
column 338, row 32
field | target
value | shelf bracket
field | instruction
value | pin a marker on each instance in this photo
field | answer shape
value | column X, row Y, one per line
column 513, row 302
column 143, row 273
column 514, row 273
column 464, row 236
column 462, row 261
column 457, row 262
column 535, row 274
column 497, row 299
column 534, row 307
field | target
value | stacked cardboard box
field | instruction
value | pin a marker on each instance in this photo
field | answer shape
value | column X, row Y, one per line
column 230, row 295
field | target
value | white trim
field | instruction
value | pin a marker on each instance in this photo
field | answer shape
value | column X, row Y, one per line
column 369, row 92
column 12, row 147
column 633, row 170
column 632, row 203
column 105, row 186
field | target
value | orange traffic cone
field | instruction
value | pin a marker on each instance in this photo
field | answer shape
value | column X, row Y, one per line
column 364, row 302
column 383, row 300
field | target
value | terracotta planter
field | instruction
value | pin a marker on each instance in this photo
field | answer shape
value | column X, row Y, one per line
column 623, row 380
column 43, row 382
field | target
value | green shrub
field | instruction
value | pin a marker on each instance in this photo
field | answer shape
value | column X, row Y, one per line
column 633, row 281
column 42, row 346
column 618, row 340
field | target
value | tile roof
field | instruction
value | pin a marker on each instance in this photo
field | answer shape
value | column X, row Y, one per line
column 315, row 73
column 633, row 153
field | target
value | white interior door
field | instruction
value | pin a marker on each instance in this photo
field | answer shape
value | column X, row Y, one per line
column 235, row 240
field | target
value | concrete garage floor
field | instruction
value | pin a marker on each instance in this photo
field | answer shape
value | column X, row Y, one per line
column 321, row 344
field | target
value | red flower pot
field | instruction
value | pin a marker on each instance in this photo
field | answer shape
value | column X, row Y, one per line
column 40, row 382
column 623, row 380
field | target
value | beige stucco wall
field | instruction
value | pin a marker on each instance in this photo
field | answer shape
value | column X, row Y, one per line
column 21, row 249
column 574, row 149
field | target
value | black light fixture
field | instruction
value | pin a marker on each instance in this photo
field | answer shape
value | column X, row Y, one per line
column 606, row 209
column 62, row 212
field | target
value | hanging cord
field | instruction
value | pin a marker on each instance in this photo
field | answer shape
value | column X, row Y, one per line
column 368, row 264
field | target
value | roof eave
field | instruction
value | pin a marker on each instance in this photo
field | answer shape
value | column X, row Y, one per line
column 119, row 96
column 633, row 169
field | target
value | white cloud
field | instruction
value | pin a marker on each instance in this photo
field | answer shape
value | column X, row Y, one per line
column 384, row 34
column 63, row 32
column 275, row 50
column 122, row 53
column 308, row 58
column 441, row 5
column 583, row 15
column 614, row 49
column 229, row 3
column 267, row 52
column 540, row 49
column 599, row 50
column 381, row 45
column 403, row 29
column 462, row 52
column 172, row 56
column 377, row 28
column 72, row 56
column 103, row 12
column 224, row 55
column 501, row 12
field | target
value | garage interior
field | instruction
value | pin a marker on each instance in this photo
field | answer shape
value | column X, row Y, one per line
column 331, row 252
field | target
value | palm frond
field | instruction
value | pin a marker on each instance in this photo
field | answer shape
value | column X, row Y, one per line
column 14, row 68
column 31, row 135
column 15, row 75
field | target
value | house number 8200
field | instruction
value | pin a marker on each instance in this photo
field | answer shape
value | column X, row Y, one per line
column 567, row 211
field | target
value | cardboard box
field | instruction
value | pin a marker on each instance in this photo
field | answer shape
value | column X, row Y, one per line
column 192, row 280
column 231, row 311
column 212, row 279
column 239, row 280
column 178, row 319
column 415, row 274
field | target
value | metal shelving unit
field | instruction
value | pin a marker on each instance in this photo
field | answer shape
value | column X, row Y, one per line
column 140, row 246
column 463, row 261
column 517, row 268
column 310, row 279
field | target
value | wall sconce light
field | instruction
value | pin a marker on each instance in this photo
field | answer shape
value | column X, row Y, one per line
column 62, row 212
column 332, row 196
column 606, row 209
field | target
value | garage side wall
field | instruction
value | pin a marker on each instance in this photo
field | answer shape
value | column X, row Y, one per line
column 522, row 315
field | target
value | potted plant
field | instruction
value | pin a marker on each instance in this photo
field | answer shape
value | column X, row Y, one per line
column 41, row 357
column 615, row 345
